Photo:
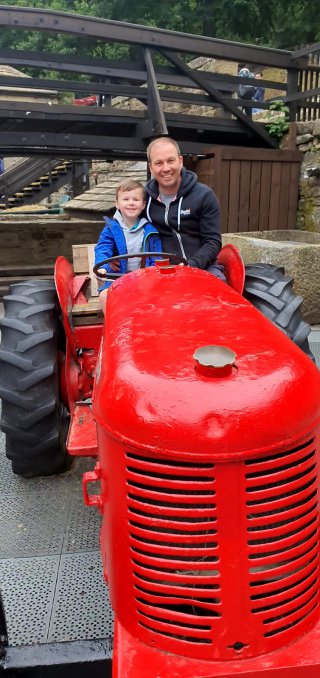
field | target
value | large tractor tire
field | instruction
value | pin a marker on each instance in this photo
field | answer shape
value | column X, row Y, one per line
column 270, row 291
column 33, row 418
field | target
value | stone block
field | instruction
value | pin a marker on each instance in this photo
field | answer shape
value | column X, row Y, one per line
column 297, row 251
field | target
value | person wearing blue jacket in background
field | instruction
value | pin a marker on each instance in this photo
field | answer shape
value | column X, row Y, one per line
column 126, row 233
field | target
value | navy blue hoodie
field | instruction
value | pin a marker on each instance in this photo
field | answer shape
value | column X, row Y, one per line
column 190, row 225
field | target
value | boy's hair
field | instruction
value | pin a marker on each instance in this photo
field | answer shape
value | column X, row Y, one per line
column 154, row 141
column 130, row 185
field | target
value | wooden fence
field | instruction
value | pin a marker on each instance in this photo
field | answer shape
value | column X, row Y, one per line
column 257, row 188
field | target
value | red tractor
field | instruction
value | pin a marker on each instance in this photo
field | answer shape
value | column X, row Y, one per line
column 205, row 419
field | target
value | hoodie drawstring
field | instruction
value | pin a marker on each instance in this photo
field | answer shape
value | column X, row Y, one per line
column 179, row 210
column 148, row 209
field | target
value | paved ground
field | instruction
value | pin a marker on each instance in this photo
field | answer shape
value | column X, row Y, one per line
column 50, row 569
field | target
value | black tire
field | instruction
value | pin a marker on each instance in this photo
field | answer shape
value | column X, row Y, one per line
column 33, row 418
column 3, row 630
column 271, row 292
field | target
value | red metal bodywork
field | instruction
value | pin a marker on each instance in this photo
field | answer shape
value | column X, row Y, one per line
column 78, row 367
column 209, row 485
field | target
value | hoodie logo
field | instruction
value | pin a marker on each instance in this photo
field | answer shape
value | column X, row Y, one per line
column 186, row 212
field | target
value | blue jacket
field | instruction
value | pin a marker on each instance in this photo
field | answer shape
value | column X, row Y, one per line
column 112, row 242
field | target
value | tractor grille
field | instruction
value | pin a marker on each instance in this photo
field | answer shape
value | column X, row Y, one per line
column 283, row 539
column 174, row 550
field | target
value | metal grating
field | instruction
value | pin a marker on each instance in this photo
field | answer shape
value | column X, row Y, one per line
column 81, row 608
column 173, row 536
column 315, row 347
column 83, row 528
column 32, row 525
column 27, row 588
column 283, row 538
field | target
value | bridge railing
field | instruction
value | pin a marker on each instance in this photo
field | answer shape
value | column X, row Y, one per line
column 154, row 85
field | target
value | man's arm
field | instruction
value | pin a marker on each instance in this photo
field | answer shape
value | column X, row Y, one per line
column 210, row 232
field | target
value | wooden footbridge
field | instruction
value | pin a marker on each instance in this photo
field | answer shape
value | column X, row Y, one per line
column 108, row 132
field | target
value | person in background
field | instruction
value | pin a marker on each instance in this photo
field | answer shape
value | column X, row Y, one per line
column 126, row 233
column 259, row 94
column 246, row 91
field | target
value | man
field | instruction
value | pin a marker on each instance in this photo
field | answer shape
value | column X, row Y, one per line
column 185, row 212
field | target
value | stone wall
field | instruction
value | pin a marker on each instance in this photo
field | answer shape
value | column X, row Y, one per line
column 308, row 141
column 40, row 240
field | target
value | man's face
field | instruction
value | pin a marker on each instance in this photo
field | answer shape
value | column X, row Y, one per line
column 165, row 165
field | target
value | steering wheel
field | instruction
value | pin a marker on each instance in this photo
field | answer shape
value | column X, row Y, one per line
column 141, row 255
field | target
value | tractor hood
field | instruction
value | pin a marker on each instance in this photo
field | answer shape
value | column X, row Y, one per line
column 152, row 394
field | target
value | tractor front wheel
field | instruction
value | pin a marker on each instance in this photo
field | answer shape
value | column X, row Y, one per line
column 33, row 418
column 271, row 292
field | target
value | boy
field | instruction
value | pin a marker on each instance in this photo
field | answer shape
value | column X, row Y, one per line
column 126, row 233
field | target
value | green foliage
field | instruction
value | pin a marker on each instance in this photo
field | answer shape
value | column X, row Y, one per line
column 265, row 22
column 279, row 125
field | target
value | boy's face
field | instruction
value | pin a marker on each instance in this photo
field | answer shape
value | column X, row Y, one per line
column 130, row 204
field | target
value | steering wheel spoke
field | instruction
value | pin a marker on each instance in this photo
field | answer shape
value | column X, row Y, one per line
column 140, row 255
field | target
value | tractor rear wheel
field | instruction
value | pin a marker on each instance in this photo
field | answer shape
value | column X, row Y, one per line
column 33, row 418
column 271, row 292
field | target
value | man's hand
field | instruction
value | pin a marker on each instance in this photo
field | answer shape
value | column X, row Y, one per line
column 115, row 266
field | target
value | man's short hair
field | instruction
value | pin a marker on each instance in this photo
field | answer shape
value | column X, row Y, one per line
column 155, row 141
column 130, row 185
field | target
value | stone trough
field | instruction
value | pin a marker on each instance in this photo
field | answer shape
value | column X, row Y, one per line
column 297, row 251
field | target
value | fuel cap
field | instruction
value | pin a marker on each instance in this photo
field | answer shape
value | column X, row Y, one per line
column 214, row 361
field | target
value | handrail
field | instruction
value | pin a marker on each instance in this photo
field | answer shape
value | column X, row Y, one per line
column 155, row 38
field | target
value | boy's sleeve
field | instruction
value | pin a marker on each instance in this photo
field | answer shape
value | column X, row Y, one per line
column 155, row 246
column 105, row 247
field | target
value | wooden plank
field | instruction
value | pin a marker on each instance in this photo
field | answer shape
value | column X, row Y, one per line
column 283, row 221
column 204, row 168
column 254, row 201
column 234, row 191
column 80, row 258
column 93, row 279
column 93, row 306
column 262, row 154
column 224, row 198
column 275, row 196
column 245, row 174
column 265, row 188
column 293, row 194
column 216, row 169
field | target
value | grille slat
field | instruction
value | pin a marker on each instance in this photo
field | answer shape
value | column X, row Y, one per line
column 167, row 497
column 162, row 606
column 286, row 598
column 174, row 537
column 286, row 620
column 173, row 483
column 183, row 590
column 266, row 520
column 170, row 548
column 289, row 538
column 202, row 631
column 179, row 511
column 187, row 578
column 173, row 541
column 278, row 460
column 290, row 485
column 184, row 546
column 283, row 538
